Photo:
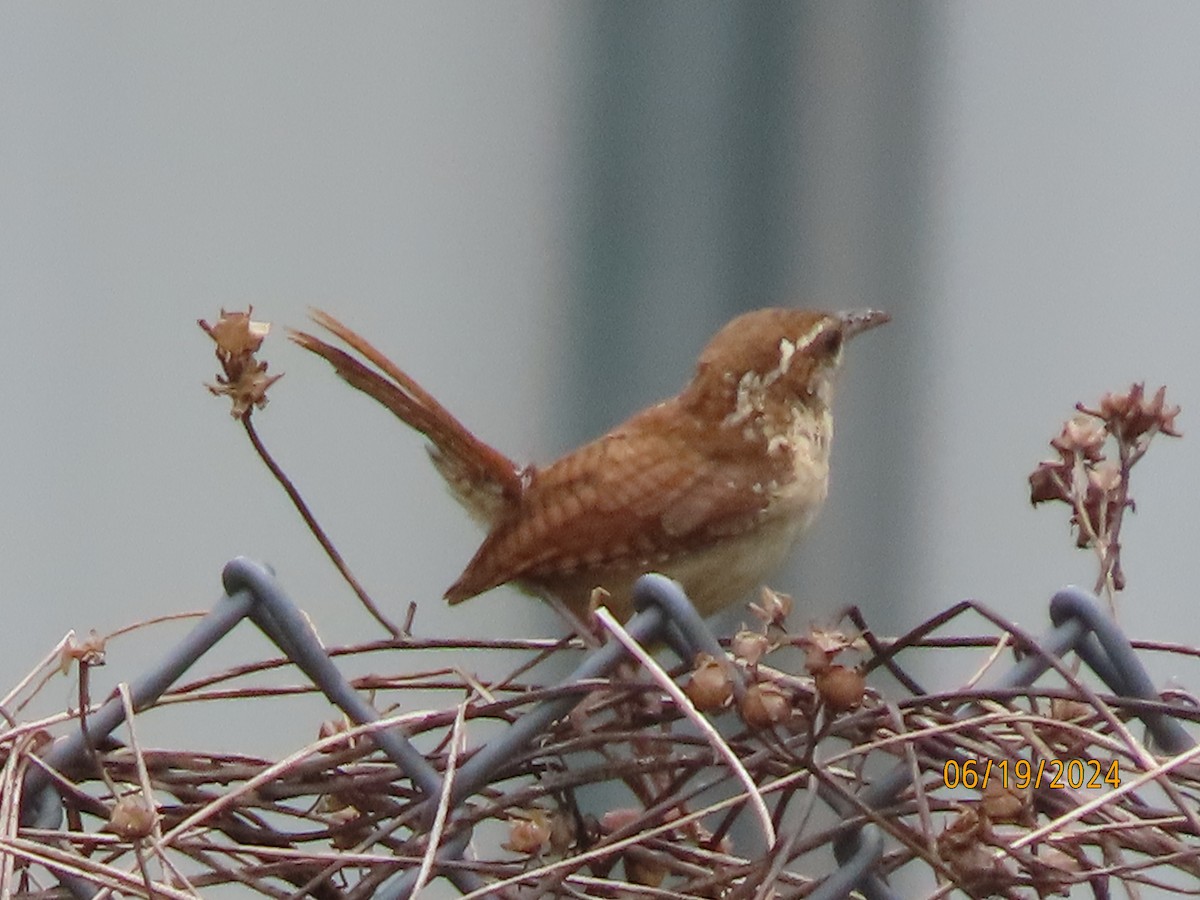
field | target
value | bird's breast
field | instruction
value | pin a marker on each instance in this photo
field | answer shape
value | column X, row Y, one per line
column 799, row 449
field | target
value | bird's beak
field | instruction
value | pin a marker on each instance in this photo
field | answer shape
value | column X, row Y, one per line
column 856, row 321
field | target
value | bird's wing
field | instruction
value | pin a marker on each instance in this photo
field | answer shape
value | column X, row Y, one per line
column 641, row 493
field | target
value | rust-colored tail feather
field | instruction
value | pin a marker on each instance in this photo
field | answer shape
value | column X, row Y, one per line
column 467, row 463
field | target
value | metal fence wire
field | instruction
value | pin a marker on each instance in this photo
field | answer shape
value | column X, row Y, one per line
column 1027, row 784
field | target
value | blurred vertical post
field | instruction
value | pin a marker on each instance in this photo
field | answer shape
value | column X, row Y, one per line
column 730, row 156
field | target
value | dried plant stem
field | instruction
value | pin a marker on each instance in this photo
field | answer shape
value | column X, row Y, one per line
column 148, row 796
column 319, row 533
column 48, row 665
column 443, row 807
column 718, row 744
column 251, row 821
column 61, row 860
column 1127, row 787
column 1108, row 547
column 574, row 863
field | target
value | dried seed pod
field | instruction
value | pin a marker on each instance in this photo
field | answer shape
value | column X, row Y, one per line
column 529, row 832
column 131, row 818
column 710, row 688
column 841, row 687
column 765, row 704
column 1004, row 802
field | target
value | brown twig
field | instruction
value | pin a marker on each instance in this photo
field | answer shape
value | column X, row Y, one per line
column 232, row 809
column 317, row 531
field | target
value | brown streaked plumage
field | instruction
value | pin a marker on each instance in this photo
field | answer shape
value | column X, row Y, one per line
column 710, row 487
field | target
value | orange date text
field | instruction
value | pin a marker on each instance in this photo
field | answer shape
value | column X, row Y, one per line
column 1021, row 774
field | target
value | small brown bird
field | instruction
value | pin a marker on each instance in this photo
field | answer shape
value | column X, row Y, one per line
column 710, row 487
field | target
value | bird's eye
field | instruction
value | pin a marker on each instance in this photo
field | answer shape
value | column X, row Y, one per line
column 829, row 341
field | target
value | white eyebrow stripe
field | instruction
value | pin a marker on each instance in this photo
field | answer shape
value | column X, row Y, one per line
column 786, row 351
column 810, row 336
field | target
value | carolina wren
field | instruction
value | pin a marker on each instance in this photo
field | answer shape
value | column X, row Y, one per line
column 710, row 487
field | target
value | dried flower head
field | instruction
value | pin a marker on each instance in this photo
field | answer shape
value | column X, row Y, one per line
column 1131, row 415
column 773, row 607
column 964, row 846
column 1082, row 435
column 1096, row 450
column 750, row 646
column 88, row 652
column 822, row 645
column 236, row 333
column 244, row 380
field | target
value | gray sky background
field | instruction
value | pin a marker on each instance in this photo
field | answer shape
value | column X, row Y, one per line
column 409, row 168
